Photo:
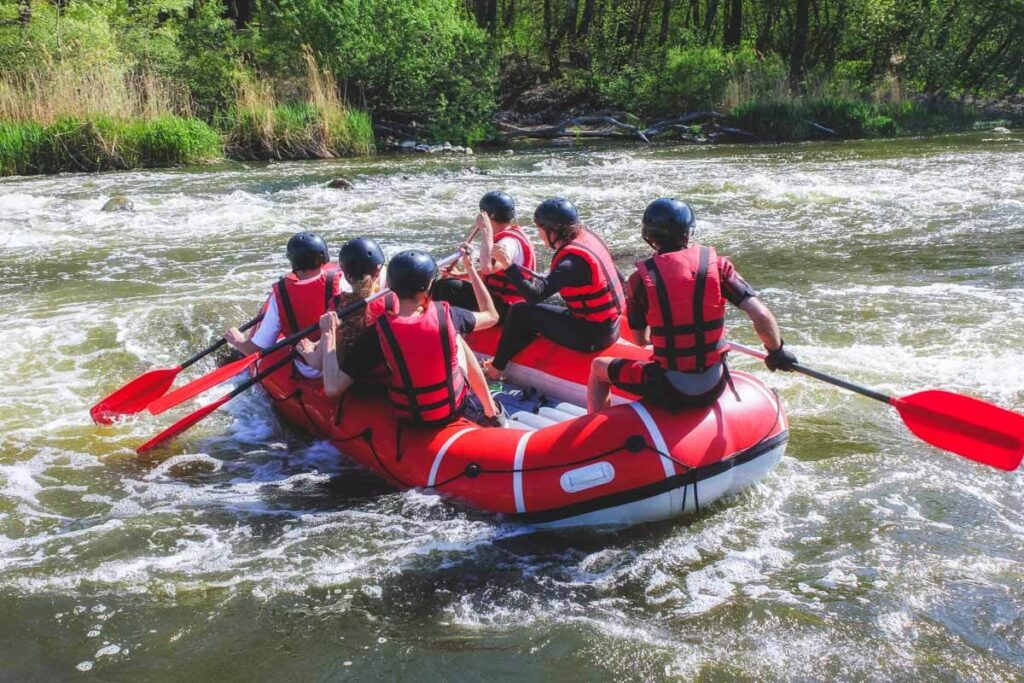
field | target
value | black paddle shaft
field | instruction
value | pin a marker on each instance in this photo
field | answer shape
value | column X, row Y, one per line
column 219, row 343
column 260, row 376
column 353, row 307
column 863, row 391
column 816, row 374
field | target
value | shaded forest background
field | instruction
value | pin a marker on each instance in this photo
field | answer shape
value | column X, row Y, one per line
column 259, row 71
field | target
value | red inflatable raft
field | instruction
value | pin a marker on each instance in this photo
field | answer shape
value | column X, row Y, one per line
column 556, row 466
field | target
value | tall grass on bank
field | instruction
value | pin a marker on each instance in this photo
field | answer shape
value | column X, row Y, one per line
column 57, row 118
column 102, row 143
column 322, row 127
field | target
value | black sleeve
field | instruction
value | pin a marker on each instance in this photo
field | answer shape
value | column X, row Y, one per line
column 636, row 302
column 464, row 320
column 734, row 287
column 365, row 355
column 571, row 271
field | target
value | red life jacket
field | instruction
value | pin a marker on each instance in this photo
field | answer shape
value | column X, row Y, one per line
column 685, row 308
column 427, row 384
column 498, row 283
column 378, row 307
column 300, row 306
column 602, row 299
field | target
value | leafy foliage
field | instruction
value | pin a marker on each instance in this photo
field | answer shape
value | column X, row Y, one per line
column 432, row 67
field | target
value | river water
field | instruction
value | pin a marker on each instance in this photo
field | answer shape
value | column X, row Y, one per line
column 251, row 553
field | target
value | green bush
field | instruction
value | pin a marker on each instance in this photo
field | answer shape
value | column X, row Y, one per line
column 419, row 61
column 693, row 78
column 104, row 144
column 171, row 140
column 298, row 131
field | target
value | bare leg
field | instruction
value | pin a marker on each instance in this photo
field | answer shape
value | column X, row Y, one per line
column 477, row 381
column 599, row 386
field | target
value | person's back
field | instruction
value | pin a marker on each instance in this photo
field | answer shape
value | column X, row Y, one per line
column 601, row 299
column 430, row 368
column 686, row 308
column 503, row 244
column 297, row 300
column 430, row 386
column 676, row 301
column 582, row 272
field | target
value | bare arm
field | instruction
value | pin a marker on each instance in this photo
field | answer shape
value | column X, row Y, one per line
column 765, row 325
column 483, row 225
column 238, row 341
column 499, row 261
column 488, row 314
column 336, row 382
column 477, row 381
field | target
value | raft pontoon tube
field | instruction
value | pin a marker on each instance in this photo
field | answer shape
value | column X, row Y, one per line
column 556, row 465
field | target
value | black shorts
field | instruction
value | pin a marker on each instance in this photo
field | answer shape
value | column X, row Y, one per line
column 648, row 380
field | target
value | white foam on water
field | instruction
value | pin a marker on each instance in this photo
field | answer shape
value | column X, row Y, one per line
column 859, row 533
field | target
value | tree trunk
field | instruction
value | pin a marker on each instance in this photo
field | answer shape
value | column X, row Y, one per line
column 25, row 12
column 550, row 44
column 666, row 11
column 764, row 33
column 796, row 55
column 734, row 25
column 568, row 29
column 709, row 19
column 509, row 15
column 644, row 18
column 240, row 11
column 695, row 14
column 587, row 19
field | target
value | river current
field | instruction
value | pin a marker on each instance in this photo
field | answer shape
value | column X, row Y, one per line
column 248, row 552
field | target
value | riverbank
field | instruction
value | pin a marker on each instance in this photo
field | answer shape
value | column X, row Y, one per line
column 64, row 119
column 266, row 130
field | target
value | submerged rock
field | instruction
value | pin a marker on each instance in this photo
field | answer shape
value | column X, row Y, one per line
column 444, row 148
column 341, row 184
column 118, row 202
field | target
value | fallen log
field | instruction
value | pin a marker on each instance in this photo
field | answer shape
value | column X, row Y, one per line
column 674, row 122
column 823, row 129
column 559, row 130
column 613, row 128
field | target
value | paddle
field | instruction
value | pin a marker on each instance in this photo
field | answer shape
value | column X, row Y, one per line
column 198, row 386
column 134, row 396
column 967, row 426
column 194, row 417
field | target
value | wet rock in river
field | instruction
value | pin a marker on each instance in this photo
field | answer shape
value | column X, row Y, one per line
column 118, row 202
column 341, row 184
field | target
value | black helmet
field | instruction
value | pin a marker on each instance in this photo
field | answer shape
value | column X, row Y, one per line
column 499, row 206
column 411, row 272
column 668, row 222
column 307, row 251
column 552, row 214
column 360, row 257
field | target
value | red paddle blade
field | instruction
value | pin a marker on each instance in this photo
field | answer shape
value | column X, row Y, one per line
column 966, row 426
column 198, row 386
column 134, row 396
column 181, row 425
